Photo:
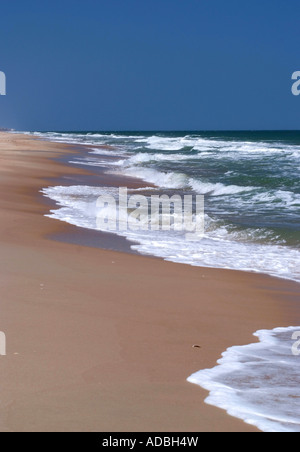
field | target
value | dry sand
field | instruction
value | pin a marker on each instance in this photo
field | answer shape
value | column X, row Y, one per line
column 100, row 340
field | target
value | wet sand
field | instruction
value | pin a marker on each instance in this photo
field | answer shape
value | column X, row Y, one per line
column 99, row 340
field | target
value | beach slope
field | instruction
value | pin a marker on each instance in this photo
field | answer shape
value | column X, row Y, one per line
column 100, row 340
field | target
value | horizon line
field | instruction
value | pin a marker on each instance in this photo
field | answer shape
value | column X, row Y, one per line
column 159, row 130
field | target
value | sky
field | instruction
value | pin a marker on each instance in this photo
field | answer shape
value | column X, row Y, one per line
column 149, row 64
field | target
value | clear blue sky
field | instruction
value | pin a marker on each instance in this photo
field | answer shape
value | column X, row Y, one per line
column 149, row 64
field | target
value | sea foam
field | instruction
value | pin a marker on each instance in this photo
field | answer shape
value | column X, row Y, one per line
column 249, row 180
column 259, row 382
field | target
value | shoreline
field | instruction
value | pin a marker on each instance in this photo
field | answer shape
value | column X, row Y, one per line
column 90, row 359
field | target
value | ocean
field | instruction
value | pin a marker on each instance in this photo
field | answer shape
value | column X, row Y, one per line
column 250, row 182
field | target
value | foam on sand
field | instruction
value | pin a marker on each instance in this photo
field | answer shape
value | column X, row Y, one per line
column 259, row 382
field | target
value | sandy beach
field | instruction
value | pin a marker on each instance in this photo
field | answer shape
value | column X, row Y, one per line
column 99, row 340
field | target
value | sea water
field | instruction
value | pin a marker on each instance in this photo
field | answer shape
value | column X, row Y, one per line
column 251, row 185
